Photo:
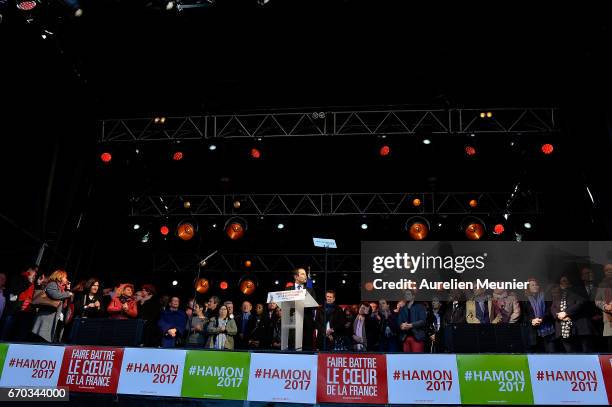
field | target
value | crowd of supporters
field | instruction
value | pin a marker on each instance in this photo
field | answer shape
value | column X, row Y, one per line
column 559, row 318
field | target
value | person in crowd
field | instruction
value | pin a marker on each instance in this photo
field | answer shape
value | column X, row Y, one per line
column 257, row 329
column 230, row 308
column 435, row 327
column 412, row 321
column 163, row 302
column 481, row 309
column 197, row 327
column 388, row 328
column 123, row 305
column 603, row 300
column 18, row 310
column 398, row 307
column 454, row 314
column 300, row 282
column 364, row 332
column 172, row 323
column 221, row 331
column 88, row 303
column 373, row 309
column 148, row 309
column 540, row 330
column 242, row 321
column 275, row 323
column 334, row 320
column 213, row 307
column 572, row 327
column 508, row 306
column 49, row 322
column 272, row 310
column 189, row 308
column 587, row 290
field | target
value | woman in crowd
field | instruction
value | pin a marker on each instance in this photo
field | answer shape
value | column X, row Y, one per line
column 603, row 300
column 257, row 329
column 222, row 330
column 51, row 305
column 572, row 327
column 89, row 303
column 276, row 328
column 197, row 327
column 123, row 305
column 540, row 331
column 148, row 309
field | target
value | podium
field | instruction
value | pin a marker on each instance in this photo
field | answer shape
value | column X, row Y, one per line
column 295, row 300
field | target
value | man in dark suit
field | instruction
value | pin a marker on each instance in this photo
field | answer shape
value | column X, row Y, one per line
column 335, row 321
column 300, row 279
column 587, row 289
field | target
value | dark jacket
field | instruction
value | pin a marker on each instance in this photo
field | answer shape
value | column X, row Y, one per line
column 415, row 315
column 581, row 324
column 431, row 329
column 257, row 330
column 371, row 333
column 80, row 306
column 454, row 314
column 168, row 320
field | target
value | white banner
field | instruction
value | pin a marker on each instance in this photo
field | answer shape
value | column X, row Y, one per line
column 567, row 379
column 423, row 379
column 285, row 378
column 156, row 372
column 32, row 366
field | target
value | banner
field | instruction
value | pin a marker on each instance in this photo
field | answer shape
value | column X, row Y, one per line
column 567, row 379
column 156, row 372
column 91, row 369
column 606, row 369
column 494, row 379
column 216, row 375
column 352, row 378
column 31, row 365
column 3, row 350
column 285, row 378
column 423, row 379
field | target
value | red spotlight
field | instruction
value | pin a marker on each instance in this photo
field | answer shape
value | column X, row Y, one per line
column 223, row 285
column 235, row 228
column 185, row 231
column 255, row 153
column 384, row 151
column 106, row 157
column 247, row 286
column 202, row 285
column 417, row 228
column 474, row 231
column 177, row 156
column 473, row 203
column 470, row 150
column 547, row 148
column 498, row 229
column 26, row 5
column 247, row 263
column 416, row 202
column 164, row 230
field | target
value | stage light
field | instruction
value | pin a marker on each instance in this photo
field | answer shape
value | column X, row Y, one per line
column 489, row 115
column 473, row 228
column 417, row 228
column 106, row 157
column 343, row 281
column 276, row 282
column 145, row 238
column 186, row 204
column 384, row 151
column 185, row 231
column 164, row 230
column 177, row 156
column 416, row 202
column 248, row 263
column 483, row 115
column 255, row 153
column 364, row 226
column 202, row 285
column 314, row 281
column 212, row 147
column 174, row 283
column 247, row 286
column 472, row 135
column 159, row 120
column 426, row 141
column 547, row 148
column 470, row 150
column 26, row 5
column 223, row 285
column 498, row 229
column 527, row 225
column 214, row 225
column 262, row 2
column 473, row 203
column 75, row 6
column 136, row 226
column 236, row 204
column 235, row 228
column 280, row 226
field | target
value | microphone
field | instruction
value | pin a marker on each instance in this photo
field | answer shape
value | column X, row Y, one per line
column 204, row 262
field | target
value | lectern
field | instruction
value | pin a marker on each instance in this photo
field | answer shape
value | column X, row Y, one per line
column 296, row 301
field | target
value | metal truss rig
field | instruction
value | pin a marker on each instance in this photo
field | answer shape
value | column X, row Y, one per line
column 515, row 121
column 335, row 204
column 264, row 263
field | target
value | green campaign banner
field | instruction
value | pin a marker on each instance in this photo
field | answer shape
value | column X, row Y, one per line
column 3, row 351
column 216, row 375
column 494, row 379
